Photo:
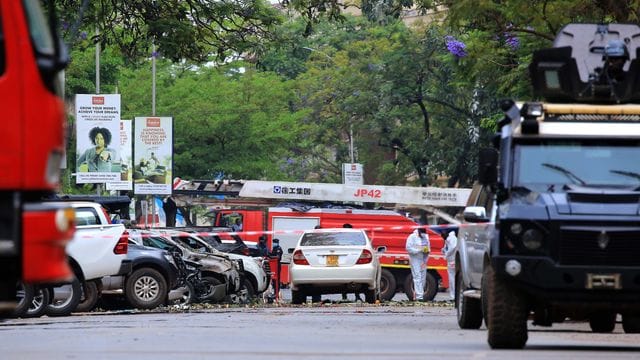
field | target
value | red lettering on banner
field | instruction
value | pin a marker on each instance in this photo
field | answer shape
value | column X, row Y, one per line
column 97, row 100
column 364, row 193
column 153, row 122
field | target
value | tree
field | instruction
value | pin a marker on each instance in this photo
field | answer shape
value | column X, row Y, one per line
column 230, row 120
column 193, row 29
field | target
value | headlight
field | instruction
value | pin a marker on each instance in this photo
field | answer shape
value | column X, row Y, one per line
column 532, row 239
column 516, row 229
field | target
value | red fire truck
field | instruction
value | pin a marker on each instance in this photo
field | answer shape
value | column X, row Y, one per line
column 385, row 227
column 33, row 234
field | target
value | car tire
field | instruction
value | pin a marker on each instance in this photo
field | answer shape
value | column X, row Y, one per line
column 67, row 305
column 298, row 297
column 89, row 298
column 24, row 297
column 430, row 287
column 145, row 288
column 388, row 285
column 468, row 310
column 602, row 322
column 39, row 303
column 507, row 312
column 631, row 323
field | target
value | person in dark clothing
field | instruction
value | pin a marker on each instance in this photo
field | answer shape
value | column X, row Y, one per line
column 170, row 210
column 262, row 246
column 276, row 251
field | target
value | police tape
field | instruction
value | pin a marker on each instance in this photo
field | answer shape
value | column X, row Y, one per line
column 178, row 231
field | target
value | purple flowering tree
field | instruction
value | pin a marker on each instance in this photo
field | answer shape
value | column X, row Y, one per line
column 455, row 47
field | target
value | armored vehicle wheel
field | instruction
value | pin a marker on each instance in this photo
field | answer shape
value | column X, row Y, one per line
column 631, row 323
column 468, row 310
column 387, row 285
column 507, row 313
column 603, row 322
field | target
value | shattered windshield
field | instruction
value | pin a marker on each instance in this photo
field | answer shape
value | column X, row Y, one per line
column 551, row 164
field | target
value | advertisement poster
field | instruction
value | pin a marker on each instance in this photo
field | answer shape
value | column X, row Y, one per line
column 126, row 155
column 98, row 138
column 153, row 155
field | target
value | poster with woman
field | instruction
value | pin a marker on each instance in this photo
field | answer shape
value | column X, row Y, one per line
column 153, row 155
column 98, row 138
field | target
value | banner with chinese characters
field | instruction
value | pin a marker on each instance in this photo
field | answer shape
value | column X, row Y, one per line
column 359, row 193
column 153, row 155
column 98, row 138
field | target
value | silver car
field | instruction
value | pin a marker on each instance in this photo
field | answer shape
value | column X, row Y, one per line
column 329, row 261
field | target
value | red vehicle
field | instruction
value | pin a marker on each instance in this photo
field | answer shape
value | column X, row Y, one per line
column 384, row 227
column 33, row 234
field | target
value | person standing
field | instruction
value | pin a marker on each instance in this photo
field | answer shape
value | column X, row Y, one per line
column 262, row 246
column 276, row 251
column 450, row 254
column 418, row 247
column 100, row 157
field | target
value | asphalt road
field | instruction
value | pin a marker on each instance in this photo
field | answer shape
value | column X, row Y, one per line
column 333, row 330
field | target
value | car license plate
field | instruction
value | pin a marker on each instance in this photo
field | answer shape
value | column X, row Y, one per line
column 332, row 260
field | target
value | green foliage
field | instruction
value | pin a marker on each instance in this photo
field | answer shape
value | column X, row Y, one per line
column 229, row 120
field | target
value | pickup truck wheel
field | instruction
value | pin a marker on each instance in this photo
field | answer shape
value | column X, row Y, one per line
column 602, row 322
column 507, row 313
column 631, row 323
column 39, row 303
column 145, row 288
column 298, row 297
column 387, row 285
column 468, row 310
column 89, row 298
column 430, row 287
column 65, row 299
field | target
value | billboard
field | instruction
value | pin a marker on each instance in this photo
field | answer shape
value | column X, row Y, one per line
column 98, row 138
column 153, row 155
column 126, row 157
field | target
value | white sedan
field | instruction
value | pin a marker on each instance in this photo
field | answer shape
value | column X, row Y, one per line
column 333, row 261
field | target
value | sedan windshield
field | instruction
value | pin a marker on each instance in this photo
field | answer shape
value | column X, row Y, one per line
column 333, row 238
column 584, row 163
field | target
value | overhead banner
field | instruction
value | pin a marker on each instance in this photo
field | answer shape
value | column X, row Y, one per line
column 153, row 155
column 430, row 196
column 98, row 138
column 126, row 156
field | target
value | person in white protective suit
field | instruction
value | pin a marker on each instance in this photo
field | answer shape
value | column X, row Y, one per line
column 418, row 247
column 450, row 254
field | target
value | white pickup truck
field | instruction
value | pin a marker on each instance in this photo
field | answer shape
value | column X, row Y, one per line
column 98, row 249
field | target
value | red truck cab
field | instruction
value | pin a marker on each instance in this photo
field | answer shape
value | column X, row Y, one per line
column 33, row 234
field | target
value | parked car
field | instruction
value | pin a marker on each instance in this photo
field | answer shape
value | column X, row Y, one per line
column 217, row 269
column 153, row 275
column 256, row 279
column 328, row 261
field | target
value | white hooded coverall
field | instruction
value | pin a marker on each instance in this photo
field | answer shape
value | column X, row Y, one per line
column 450, row 254
column 418, row 247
